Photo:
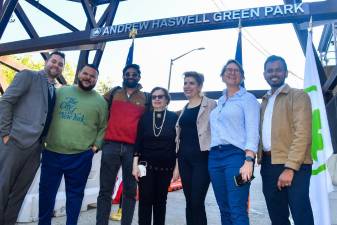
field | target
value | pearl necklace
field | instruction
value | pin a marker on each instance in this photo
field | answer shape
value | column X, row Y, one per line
column 154, row 126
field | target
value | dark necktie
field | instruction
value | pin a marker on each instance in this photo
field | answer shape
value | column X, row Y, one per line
column 51, row 90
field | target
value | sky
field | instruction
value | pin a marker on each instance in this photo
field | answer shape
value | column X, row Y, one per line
column 153, row 54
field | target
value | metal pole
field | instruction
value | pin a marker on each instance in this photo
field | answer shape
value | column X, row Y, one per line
column 334, row 27
column 1, row 4
column 170, row 73
column 171, row 64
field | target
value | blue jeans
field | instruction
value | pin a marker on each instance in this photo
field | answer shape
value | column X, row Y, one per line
column 114, row 155
column 76, row 169
column 224, row 162
column 296, row 196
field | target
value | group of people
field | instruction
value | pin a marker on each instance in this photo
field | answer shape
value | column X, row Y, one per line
column 206, row 142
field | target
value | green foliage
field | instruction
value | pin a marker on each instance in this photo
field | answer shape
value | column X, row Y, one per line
column 25, row 60
column 103, row 87
column 7, row 73
column 33, row 64
column 69, row 73
column 28, row 61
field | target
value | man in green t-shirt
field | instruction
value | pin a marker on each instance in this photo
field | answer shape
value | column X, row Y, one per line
column 75, row 134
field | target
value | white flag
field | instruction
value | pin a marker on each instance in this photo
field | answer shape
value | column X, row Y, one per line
column 321, row 149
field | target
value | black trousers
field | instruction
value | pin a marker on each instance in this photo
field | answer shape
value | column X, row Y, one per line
column 153, row 190
column 195, row 179
column 295, row 197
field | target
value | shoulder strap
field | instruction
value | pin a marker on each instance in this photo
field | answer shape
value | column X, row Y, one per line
column 111, row 96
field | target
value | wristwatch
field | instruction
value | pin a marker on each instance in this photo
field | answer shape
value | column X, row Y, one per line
column 250, row 159
column 290, row 169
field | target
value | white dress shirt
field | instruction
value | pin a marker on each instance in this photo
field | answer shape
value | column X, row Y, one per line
column 267, row 119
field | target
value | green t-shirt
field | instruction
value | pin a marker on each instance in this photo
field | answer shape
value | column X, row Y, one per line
column 79, row 121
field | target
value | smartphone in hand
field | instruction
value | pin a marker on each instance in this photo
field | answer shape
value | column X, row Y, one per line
column 239, row 181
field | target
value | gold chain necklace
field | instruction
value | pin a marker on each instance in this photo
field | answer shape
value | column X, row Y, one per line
column 154, row 126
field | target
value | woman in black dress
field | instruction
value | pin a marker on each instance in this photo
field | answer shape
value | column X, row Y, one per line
column 155, row 148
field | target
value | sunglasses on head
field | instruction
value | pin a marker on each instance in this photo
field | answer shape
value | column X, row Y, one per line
column 160, row 97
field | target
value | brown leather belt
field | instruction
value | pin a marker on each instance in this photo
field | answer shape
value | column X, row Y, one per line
column 266, row 153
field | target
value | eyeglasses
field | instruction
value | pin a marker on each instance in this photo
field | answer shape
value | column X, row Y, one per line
column 232, row 70
column 133, row 75
column 160, row 97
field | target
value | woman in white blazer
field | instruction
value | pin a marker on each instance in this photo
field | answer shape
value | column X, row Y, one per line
column 193, row 143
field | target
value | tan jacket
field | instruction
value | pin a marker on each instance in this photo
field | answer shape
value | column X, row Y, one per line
column 291, row 128
column 203, row 126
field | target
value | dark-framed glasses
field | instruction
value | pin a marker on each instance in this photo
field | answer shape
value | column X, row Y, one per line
column 160, row 97
column 133, row 75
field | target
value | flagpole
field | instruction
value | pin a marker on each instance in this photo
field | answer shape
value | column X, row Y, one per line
column 321, row 146
column 310, row 25
column 238, row 52
column 132, row 34
column 335, row 39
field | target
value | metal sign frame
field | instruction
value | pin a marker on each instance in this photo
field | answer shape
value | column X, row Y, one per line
column 98, row 32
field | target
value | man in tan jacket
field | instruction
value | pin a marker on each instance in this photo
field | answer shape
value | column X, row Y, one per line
column 284, row 154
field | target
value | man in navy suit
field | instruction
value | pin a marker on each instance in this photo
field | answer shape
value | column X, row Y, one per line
column 25, row 113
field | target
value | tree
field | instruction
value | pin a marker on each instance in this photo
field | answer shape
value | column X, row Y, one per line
column 27, row 60
column 8, row 74
column 103, row 87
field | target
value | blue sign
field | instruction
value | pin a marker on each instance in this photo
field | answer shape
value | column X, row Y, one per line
column 206, row 21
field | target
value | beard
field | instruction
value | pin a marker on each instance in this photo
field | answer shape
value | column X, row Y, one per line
column 52, row 72
column 85, row 88
column 276, row 84
column 130, row 83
